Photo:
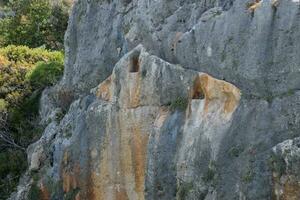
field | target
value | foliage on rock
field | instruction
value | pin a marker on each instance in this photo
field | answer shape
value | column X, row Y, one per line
column 24, row 72
column 45, row 74
column 180, row 103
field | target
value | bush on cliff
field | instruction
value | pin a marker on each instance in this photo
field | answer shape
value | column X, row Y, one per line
column 24, row 73
column 16, row 65
column 45, row 74
column 34, row 23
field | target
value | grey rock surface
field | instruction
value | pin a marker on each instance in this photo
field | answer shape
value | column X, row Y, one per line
column 254, row 51
column 136, row 115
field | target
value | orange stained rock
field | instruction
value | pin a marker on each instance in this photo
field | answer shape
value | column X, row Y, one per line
column 291, row 191
column 65, row 158
column 212, row 89
column 44, row 193
column 70, row 174
column 121, row 194
column 285, row 189
column 254, row 5
column 104, row 89
column 134, row 87
column 121, row 174
column 95, row 187
column 139, row 150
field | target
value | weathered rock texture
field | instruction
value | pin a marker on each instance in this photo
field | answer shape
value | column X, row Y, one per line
column 153, row 115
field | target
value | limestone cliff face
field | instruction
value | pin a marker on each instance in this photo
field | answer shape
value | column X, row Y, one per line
column 174, row 100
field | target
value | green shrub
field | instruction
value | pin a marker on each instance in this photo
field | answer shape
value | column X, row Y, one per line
column 71, row 194
column 45, row 74
column 16, row 62
column 180, row 103
column 13, row 86
column 34, row 193
column 2, row 105
column 248, row 175
column 12, row 164
column 210, row 174
column 235, row 151
column 183, row 190
column 27, row 57
column 24, row 72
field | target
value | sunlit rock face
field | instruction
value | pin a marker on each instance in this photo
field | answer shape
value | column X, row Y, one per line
column 173, row 100
column 111, row 149
column 134, row 103
column 142, row 114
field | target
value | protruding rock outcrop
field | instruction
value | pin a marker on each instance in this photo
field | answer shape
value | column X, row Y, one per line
column 132, row 108
column 211, row 89
column 163, row 121
column 123, row 167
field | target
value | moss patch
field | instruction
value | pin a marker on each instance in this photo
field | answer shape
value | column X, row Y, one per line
column 180, row 104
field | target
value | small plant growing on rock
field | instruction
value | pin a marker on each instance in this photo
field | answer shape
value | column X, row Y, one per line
column 34, row 192
column 71, row 194
column 59, row 116
column 234, row 151
column 144, row 73
column 277, row 164
column 45, row 74
column 210, row 173
column 290, row 92
column 180, row 103
column 183, row 189
column 248, row 175
column 68, row 131
column 53, row 187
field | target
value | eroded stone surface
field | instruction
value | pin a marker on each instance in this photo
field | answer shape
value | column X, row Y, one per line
column 285, row 162
column 129, row 109
column 153, row 128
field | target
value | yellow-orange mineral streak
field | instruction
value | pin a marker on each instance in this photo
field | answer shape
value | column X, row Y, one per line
column 122, row 168
column 212, row 89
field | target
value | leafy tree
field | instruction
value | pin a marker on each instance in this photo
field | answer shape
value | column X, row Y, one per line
column 24, row 73
column 35, row 23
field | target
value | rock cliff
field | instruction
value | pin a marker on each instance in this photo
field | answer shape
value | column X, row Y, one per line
column 173, row 99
